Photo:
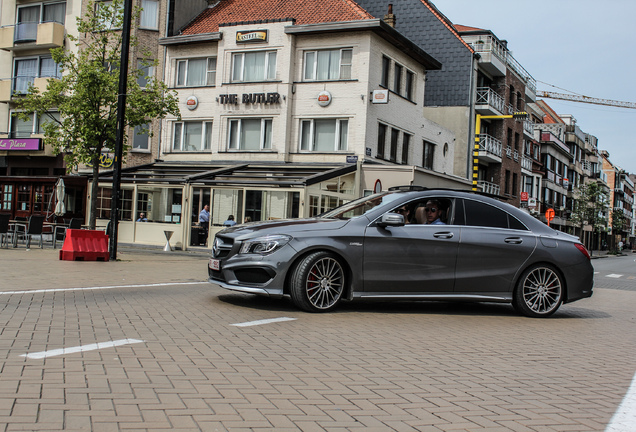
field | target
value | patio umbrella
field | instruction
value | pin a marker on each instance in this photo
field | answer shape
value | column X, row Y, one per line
column 60, row 192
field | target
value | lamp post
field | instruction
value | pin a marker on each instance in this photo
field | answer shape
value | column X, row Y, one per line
column 516, row 115
column 121, row 126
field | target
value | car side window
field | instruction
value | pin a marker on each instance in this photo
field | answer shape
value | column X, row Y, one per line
column 484, row 215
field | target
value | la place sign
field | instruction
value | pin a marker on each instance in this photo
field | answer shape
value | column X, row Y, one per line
column 21, row 144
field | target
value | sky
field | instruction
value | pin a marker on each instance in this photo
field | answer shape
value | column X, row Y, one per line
column 582, row 46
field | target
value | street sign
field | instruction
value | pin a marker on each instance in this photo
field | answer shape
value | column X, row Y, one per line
column 524, row 196
column 549, row 215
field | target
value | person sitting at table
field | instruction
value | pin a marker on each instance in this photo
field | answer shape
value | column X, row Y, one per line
column 142, row 218
column 230, row 221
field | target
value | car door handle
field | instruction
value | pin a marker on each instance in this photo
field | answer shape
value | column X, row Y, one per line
column 514, row 240
column 443, row 235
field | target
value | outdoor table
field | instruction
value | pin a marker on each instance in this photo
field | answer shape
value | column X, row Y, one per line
column 56, row 226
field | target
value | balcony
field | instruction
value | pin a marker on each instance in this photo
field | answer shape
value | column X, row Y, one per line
column 528, row 128
column 526, row 164
column 487, row 187
column 492, row 54
column 9, row 88
column 25, row 36
column 489, row 149
column 489, row 102
column 6, row 90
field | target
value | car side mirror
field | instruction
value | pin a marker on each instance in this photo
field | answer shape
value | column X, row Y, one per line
column 391, row 219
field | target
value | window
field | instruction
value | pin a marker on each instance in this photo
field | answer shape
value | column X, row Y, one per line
column 515, row 180
column 395, row 136
column 250, row 134
column 328, row 65
column 485, row 215
column 50, row 117
column 507, row 183
column 397, row 79
column 428, row 154
column 381, row 140
column 406, row 143
column 192, row 136
column 324, row 135
column 386, row 68
column 104, row 198
column 149, row 14
column 141, row 137
column 408, row 85
column 6, row 196
column 21, row 128
column 147, row 73
column 30, row 16
column 254, row 66
column 159, row 204
column 196, row 72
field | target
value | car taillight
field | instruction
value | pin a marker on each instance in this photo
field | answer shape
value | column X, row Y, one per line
column 584, row 251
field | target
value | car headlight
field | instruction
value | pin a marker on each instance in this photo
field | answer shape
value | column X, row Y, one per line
column 264, row 245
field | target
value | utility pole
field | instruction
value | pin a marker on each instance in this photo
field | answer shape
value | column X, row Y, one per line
column 121, row 126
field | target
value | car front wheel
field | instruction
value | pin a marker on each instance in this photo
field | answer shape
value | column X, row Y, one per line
column 317, row 282
column 539, row 292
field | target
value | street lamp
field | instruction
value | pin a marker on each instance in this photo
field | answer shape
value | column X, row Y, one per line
column 516, row 115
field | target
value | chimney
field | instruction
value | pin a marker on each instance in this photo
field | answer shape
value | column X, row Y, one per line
column 390, row 18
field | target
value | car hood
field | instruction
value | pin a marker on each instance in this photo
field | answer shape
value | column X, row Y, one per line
column 283, row 226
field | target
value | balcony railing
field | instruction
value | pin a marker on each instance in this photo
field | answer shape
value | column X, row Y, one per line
column 487, row 96
column 25, row 32
column 526, row 163
column 487, row 187
column 491, row 45
column 490, row 145
column 524, row 74
column 528, row 127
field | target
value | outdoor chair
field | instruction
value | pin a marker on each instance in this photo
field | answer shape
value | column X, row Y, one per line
column 4, row 229
column 33, row 227
column 59, row 233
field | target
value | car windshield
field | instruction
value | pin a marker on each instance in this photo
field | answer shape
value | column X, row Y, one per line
column 360, row 206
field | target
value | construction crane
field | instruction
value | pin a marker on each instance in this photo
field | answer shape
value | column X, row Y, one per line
column 585, row 99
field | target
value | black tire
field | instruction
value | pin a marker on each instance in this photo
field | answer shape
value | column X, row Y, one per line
column 317, row 282
column 539, row 292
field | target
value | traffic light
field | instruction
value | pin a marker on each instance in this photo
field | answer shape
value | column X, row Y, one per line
column 520, row 115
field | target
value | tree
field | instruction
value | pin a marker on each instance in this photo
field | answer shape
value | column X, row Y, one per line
column 86, row 95
column 620, row 222
column 589, row 203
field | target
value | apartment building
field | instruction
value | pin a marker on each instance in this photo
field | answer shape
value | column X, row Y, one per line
column 621, row 188
column 286, row 112
column 28, row 169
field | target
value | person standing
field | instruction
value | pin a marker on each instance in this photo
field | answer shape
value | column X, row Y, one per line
column 204, row 221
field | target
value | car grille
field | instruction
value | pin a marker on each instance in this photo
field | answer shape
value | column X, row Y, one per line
column 221, row 247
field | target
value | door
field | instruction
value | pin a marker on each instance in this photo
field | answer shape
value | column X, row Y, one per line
column 410, row 259
column 494, row 246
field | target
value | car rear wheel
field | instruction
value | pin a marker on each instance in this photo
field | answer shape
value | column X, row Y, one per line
column 539, row 292
column 317, row 282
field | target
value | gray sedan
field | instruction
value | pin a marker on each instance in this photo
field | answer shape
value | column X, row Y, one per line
column 416, row 245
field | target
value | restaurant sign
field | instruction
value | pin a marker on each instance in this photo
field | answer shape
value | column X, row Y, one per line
column 21, row 144
column 250, row 98
column 251, row 36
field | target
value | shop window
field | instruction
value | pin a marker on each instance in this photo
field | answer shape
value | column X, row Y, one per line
column 428, row 155
column 6, row 197
column 254, row 66
column 227, row 202
column 24, row 198
column 250, row 134
column 104, row 199
column 149, row 14
column 192, row 136
column 42, row 195
column 324, row 135
column 328, row 65
column 196, row 72
column 141, row 137
column 159, row 204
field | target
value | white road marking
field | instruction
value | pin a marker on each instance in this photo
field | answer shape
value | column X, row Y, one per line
column 82, row 348
column 97, row 288
column 624, row 419
column 596, row 272
column 614, row 275
column 265, row 321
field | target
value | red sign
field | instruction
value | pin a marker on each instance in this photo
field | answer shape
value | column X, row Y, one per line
column 549, row 215
column 524, row 196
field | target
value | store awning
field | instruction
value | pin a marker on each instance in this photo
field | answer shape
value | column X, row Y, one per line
column 284, row 175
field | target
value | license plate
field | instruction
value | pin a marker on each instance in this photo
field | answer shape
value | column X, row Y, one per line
column 214, row 264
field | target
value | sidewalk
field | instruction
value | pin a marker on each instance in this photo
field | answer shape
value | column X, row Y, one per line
column 37, row 268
